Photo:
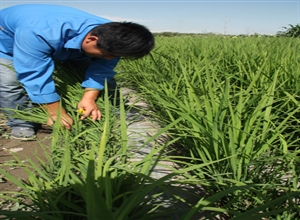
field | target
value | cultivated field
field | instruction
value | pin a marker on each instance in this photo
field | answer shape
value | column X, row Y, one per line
column 230, row 109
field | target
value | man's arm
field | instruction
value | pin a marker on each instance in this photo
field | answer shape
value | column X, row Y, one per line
column 34, row 67
column 99, row 71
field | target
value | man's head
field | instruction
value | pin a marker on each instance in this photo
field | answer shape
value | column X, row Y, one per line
column 118, row 39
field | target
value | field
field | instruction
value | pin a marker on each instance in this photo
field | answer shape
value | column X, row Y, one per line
column 230, row 109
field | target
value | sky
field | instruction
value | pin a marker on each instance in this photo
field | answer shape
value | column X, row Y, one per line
column 220, row 17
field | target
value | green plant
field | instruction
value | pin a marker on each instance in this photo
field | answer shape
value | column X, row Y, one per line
column 239, row 107
column 89, row 173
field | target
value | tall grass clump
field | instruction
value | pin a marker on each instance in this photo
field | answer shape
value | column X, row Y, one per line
column 239, row 103
column 89, row 172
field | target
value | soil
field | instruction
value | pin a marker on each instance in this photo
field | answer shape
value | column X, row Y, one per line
column 22, row 149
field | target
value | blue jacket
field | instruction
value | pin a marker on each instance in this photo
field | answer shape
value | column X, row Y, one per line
column 36, row 35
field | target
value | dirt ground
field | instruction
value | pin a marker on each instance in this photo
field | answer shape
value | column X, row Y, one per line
column 22, row 149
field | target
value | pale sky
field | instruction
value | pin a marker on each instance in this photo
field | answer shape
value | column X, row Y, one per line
column 222, row 17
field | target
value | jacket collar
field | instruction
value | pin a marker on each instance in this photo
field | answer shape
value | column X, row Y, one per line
column 75, row 42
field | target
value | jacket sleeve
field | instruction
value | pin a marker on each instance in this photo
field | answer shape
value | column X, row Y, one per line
column 98, row 71
column 34, row 65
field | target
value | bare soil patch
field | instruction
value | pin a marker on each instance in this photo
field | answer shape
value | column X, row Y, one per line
column 25, row 150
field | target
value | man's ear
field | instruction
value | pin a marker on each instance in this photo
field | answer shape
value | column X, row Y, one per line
column 91, row 38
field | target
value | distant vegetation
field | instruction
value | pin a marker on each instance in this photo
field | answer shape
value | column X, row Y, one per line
column 174, row 34
column 290, row 31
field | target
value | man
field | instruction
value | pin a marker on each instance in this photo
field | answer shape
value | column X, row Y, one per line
column 34, row 36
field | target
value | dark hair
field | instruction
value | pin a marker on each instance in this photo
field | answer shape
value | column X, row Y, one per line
column 124, row 39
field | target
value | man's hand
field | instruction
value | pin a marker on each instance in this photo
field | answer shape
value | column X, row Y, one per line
column 54, row 109
column 88, row 104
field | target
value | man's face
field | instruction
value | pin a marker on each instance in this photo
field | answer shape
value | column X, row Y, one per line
column 89, row 47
